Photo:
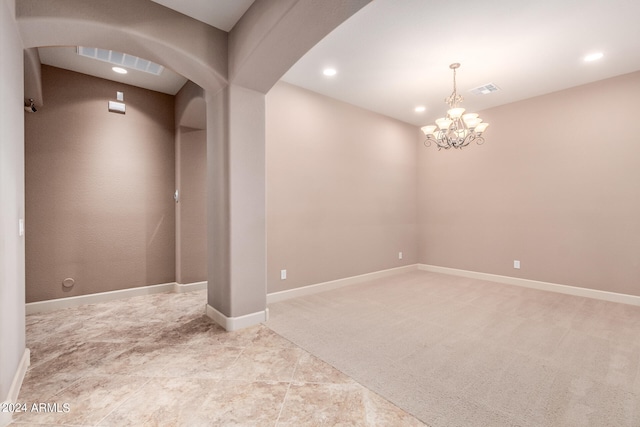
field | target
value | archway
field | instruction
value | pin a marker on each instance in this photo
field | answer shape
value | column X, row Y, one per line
column 197, row 52
column 145, row 29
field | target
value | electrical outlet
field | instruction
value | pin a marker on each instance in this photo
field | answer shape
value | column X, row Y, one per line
column 399, row 255
column 283, row 274
column 516, row 263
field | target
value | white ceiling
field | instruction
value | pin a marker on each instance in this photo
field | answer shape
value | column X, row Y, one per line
column 222, row 14
column 394, row 55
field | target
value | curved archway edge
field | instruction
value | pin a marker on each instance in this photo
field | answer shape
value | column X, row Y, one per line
column 190, row 106
column 145, row 29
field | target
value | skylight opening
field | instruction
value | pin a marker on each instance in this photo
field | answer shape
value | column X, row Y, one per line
column 121, row 59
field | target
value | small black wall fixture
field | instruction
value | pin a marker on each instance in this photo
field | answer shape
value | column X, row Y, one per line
column 30, row 107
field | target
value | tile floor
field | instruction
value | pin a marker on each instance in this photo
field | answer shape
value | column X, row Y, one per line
column 158, row 361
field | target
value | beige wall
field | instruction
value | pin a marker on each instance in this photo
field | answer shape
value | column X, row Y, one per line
column 347, row 190
column 191, row 182
column 555, row 186
column 191, row 224
column 12, row 246
column 99, row 188
column 341, row 189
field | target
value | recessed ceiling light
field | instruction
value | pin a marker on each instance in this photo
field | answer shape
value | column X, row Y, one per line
column 119, row 70
column 593, row 56
column 329, row 72
column 420, row 109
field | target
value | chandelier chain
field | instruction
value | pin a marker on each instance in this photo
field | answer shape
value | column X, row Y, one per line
column 455, row 90
column 454, row 99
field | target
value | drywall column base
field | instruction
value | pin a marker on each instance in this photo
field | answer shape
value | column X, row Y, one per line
column 236, row 225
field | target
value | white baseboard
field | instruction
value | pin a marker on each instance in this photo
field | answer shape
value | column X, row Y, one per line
column 6, row 418
column 235, row 323
column 189, row 287
column 16, row 384
column 334, row 284
column 534, row 284
column 57, row 304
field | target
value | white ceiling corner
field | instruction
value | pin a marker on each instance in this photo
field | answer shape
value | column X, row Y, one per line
column 222, row 14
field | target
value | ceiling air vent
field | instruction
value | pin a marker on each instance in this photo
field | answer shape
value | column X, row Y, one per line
column 485, row 89
column 121, row 59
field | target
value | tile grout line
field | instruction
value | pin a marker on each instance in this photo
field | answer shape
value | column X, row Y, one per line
column 284, row 399
column 124, row 401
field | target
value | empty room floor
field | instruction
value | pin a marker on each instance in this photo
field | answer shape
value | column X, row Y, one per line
column 156, row 360
column 447, row 350
column 455, row 351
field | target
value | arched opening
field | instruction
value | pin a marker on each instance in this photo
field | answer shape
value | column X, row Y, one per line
column 99, row 188
column 178, row 227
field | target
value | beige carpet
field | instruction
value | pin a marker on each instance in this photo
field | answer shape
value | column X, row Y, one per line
column 461, row 352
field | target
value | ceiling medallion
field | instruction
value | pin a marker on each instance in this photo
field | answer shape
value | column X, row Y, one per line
column 457, row 129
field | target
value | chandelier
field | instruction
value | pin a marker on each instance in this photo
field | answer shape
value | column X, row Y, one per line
column 457, row 129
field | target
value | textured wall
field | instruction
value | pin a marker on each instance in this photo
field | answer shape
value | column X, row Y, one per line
column 191, row 230
column 191, row 181
column 555, row 186
column 341, row 189
column 99, row 188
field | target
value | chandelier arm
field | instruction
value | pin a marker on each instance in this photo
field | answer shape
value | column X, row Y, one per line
column 467, row 140
column 441, row 143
